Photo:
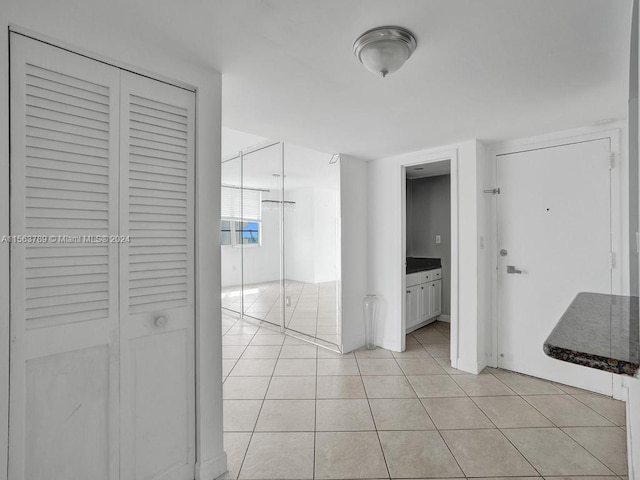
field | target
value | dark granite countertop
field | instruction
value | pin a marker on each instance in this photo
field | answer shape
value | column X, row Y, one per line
column 422, row 264
column 598, row 331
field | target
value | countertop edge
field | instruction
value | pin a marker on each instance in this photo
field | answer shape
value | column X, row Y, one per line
column 610, row 365
column 423, row 269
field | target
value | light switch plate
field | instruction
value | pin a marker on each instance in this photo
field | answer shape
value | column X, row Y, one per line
column 438, row 239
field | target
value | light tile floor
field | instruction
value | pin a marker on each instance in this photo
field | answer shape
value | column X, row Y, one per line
column 294, row 411
column 310, row 309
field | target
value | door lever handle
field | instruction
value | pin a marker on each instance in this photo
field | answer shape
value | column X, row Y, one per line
column 512, row 269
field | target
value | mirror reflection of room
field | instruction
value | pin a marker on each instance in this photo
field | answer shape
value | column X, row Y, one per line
column 279, row 237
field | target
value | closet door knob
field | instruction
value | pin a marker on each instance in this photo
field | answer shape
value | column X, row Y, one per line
column 160, row 321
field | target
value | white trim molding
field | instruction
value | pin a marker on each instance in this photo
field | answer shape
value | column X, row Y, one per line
column 212, row 468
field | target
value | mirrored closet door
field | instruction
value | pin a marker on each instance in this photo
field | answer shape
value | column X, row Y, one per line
column 280, row 240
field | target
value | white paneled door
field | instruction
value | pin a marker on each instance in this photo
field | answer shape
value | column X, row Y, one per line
column 156, row 280
column 102, row 317
column 554, row 238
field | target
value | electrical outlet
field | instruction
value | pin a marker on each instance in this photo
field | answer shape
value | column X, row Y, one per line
column 438, row 239
column 482, row 242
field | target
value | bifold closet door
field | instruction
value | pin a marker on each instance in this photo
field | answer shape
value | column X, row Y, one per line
column 156, row 287
column 64, row 416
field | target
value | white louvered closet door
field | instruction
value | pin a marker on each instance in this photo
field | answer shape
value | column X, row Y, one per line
column 157, row 271
column 64, row 417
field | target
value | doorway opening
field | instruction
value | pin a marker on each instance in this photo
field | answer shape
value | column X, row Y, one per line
column 430, row 250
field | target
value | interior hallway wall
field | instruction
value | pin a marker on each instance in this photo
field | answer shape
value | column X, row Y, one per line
column 428, row 215
column 387, row 252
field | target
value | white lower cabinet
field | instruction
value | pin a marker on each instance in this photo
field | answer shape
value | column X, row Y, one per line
column 423, row 298
column 413, row 305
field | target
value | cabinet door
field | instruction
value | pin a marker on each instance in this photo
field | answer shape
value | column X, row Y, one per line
column 436, row 298
column 413, row 306
column 156, row 289
column 64, row 297
column 425, row 302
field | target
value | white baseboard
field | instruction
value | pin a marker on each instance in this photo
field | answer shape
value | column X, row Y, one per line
column 444, row 318
column 421, row 324
column 212, row 468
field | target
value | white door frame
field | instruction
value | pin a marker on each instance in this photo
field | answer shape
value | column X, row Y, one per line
column 452, row 157
column 619, row 202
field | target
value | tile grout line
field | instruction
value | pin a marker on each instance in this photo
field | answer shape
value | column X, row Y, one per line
column 259, row 412
column 554, row 426
column 591, row 408
column 373, row 419
column 434, row 423
column 403, row 374
column 223, row 400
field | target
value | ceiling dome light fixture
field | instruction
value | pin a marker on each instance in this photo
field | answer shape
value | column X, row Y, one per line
column 383, row 50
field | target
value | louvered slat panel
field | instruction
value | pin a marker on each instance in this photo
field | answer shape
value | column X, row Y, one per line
column 167, row 146
column 44, row 113
column 159, row 162
column 159, row 273
column 59, row 261
column 61, row 155
column 55, row 281
column 169, row 133
column 148, row 248
column 158, row 264
column 156, row 282
column 68, row 128
column 157, row 305
column 67, row 193
column 137, row 100
column 143, row 242
column 45, row 192
column 65, row 290
column 66, row 99
column 79, row 85
column 168, row 210
column 146, row 168
column 64, row 137
column 66, row 109
column 144, row 177
column 43, row 313
column 139, row 134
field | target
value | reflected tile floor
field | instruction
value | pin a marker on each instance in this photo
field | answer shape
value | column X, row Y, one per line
column 310, row 309
column 295, row 411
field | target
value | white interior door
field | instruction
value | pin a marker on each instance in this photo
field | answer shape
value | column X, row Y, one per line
column 64, row 310
column 554, row 225
column 157, row 271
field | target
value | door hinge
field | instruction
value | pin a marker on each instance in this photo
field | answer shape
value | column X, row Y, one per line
column 612, row 260
column 612, row 160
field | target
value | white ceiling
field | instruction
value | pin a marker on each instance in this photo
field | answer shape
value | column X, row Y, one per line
column 303, row 168
column 489, row 69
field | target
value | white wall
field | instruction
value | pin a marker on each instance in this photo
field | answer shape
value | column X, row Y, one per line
column 486, row 247
column 428, row 215
column 326, row 217
column 354, row 246
column 70, row 22
column 386, row 251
